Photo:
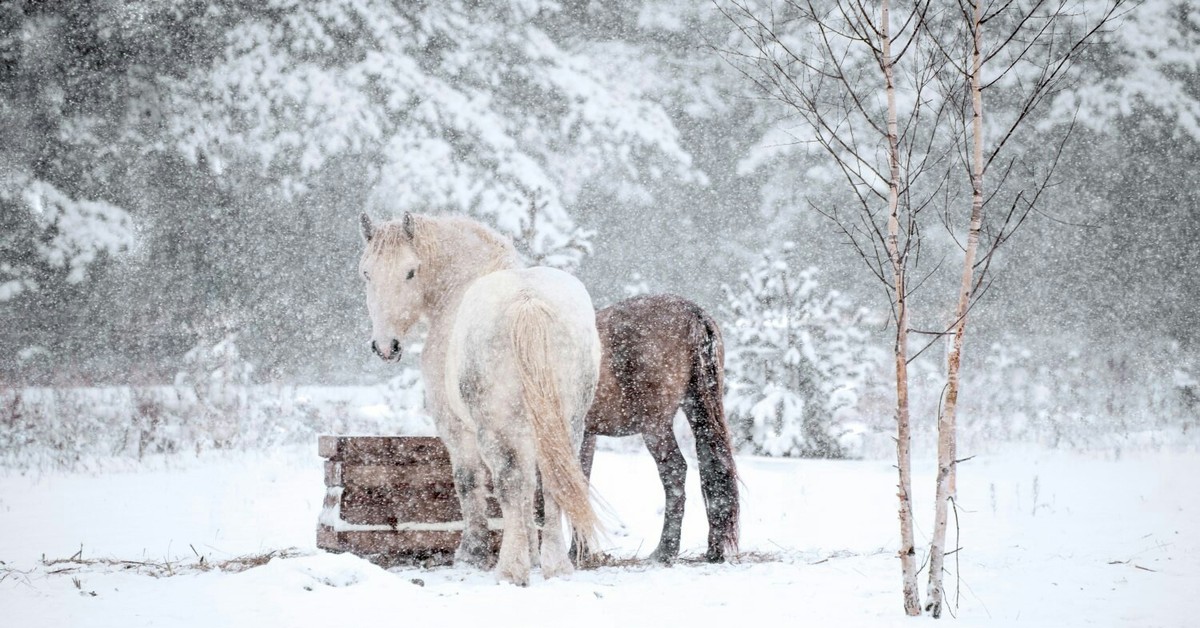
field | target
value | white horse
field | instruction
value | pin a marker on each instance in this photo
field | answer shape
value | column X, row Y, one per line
column 510, row 367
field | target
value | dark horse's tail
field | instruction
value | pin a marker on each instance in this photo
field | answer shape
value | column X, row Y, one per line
column 705, row 411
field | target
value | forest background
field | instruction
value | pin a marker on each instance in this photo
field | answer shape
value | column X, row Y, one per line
column 180, row 183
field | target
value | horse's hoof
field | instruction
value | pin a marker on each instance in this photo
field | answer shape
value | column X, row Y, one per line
column 556, row 568
column 586, row 560
column 665, row 557
column 512, row 577
column 475, row 557
column 558, row 572
column 714, row 556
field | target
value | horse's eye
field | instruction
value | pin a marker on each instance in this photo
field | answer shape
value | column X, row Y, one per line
column 411, row 273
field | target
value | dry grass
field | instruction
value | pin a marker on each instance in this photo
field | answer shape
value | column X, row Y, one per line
column 601, row 560
column 78, row 564
column 198, row 563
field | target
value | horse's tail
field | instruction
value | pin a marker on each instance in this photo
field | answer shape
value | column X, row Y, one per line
column 714, row 449
column 557, row 458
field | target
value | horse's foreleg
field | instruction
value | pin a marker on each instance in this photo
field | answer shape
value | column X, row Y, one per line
column 514, row 476
column 672, row 469
column 470, row 482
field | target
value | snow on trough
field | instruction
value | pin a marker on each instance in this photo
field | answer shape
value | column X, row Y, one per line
column 1049, row 539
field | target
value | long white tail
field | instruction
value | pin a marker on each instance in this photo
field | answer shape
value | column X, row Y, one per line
column 562, row 479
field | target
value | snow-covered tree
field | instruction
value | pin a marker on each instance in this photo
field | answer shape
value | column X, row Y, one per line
column 57, row 135
column 797, row 357
column 236, row 143
column 74, row 132
column 470, row 107
column 1145, row 66
column 46, row 236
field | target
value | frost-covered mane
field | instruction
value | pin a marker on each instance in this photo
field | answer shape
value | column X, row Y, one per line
column 438, row 240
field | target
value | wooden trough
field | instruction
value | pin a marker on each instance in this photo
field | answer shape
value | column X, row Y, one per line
column 391, row 500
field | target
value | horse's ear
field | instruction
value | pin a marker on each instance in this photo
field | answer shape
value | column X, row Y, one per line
column 368, row 228
column 409, row 224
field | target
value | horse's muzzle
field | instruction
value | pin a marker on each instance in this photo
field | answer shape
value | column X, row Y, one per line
column 391, row 356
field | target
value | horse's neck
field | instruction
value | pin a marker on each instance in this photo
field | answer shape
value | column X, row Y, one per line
column 442, row 302
column 445, row 294
column 462, row 256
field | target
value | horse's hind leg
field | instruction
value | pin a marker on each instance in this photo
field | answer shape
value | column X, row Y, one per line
column 554, row 546
column 587, row 454
column 672, row 469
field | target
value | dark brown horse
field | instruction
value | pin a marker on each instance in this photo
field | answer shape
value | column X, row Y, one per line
column 659, row 353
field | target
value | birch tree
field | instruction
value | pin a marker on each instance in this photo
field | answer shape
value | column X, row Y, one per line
column 827, row 65
column 1028, row 62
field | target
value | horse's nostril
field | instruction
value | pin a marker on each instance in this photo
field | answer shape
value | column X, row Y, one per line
column 375, row 348
column 395, row 346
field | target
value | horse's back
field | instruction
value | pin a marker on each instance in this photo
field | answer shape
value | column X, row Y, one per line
column 486, row 296
column 648, row 349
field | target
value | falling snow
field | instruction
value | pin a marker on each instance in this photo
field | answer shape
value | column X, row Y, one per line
column 181, row 313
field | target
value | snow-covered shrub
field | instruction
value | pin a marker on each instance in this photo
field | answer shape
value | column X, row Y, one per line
column 1187, row 387
column 1006, row 396
column 1054, row 393
column 63, row 428
column 220, row 377
column 635, row 287
column 404, row 398
column 796, row 359
column 91, row 428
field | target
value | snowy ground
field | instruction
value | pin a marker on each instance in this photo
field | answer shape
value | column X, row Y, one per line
column 1050, row 539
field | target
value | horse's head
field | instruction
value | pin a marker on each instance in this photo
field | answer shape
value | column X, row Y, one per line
column 391, row 270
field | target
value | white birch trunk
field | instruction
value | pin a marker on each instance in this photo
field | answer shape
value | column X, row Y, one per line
column 908, row 562
column 947, row 443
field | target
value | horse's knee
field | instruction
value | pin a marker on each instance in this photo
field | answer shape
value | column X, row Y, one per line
column 465, row 480
column 668, row 457
column 508, row 477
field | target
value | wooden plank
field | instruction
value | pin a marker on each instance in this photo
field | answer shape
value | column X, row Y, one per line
column 333, row 473
column 427, row 503
column 390, row 450
column 381, row 475
column 398, row 543
column 327, row 446
column 394, row 481
column 430, row 503
column 402, row 542
column 328, row 539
